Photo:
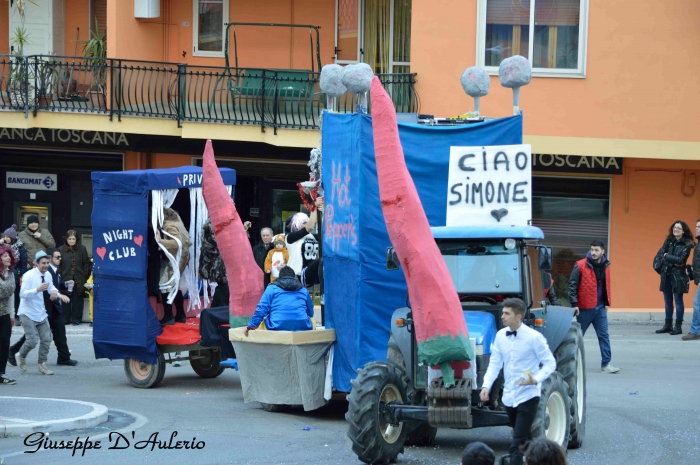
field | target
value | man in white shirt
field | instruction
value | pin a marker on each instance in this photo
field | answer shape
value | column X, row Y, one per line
column 519, row 350
column 37, row 288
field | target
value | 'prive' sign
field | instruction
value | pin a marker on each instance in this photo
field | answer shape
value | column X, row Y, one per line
column 490, row 185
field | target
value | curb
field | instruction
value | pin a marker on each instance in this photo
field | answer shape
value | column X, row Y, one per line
column 636, row 318
column 98, row 416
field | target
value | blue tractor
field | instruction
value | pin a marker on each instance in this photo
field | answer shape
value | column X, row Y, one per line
column 394, row 403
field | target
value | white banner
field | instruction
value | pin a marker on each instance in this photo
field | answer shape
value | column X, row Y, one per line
column 33, row 181
column 490, row 186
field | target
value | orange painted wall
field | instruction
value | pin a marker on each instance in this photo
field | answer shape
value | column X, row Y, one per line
column 4, row 29
column 640, row 73
column 129, row 37
column 76, row 17
column 144, row 39
column 655, row 202
column 169, row 160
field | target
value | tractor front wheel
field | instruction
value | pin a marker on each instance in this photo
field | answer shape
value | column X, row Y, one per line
column 375, row 439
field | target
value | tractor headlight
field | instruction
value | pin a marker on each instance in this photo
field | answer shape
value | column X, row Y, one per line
column 510, row 244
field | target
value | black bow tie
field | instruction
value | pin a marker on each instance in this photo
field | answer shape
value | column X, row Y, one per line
column 512, row 333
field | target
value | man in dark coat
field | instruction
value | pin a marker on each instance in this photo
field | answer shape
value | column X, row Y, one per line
column 261, row 249
column 54, row 310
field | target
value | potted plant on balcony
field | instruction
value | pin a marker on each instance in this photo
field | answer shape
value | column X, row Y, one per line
column 95, row 53
column 46, row 80
column 19, row 86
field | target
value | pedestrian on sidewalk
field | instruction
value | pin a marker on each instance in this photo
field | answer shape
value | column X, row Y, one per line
column 55, row 312
column 526, row 360
column 7, row 297
column 694, row 332
column 20, row 253
column 674, row 254
column 261, row 250
column 35, row 238
column 37, row 293
column 589, row 294
column 75, row 266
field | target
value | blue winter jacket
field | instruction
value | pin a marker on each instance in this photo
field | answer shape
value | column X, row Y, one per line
column 285, row 306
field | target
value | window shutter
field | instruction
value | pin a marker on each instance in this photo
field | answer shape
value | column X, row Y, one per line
column 513, row 12
column 99, row 12
column 557, row 12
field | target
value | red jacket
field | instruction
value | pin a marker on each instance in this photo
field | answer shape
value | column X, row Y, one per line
column 588, row 287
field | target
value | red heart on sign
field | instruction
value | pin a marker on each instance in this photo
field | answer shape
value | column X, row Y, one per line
column 138, row 240
column 101, row 251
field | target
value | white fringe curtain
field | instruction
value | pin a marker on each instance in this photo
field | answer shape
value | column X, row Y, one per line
column 161, row 199
column 189, row 281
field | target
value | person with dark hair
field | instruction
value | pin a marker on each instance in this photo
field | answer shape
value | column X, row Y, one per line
column 75, row 266
column 544, row 452
column 212, row 268
column 526, row 360
column 35, row 238
column 21, row 267
column 590, row 295
column 550, row 292
column 478, row 453
column 7, row 295
column 285, row 306
column 54, row 310
column 674, row 277
column 694, row 332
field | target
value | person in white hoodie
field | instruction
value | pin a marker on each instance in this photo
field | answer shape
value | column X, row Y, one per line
column 303, row 246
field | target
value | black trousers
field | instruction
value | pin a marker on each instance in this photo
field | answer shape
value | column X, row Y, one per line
column 73, row 310
column 5, row 334
column 58, row 329
column 221, row 296
column 521, row 418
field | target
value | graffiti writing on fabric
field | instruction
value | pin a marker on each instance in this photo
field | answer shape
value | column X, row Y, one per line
column 489, row 185
column 339, row 231
column 190, row 180
column 121, row 250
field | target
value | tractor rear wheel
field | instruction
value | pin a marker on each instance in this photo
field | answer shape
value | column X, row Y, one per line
column 571, row 364
column 374, row 438
column 552, row 420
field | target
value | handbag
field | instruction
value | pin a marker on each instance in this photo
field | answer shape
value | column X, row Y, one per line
column 659, row 259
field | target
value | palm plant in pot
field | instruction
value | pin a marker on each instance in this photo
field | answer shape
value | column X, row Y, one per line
column 19, row 86
column 95, row 53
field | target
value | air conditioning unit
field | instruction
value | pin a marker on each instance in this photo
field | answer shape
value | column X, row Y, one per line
column 146, row 8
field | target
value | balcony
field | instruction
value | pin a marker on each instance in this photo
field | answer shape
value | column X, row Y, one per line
column 269, row 98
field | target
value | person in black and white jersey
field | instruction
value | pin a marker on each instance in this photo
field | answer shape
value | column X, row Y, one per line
column 303, row 246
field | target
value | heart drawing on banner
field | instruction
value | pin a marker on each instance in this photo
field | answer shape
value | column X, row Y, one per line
column 139, row 240
column 498, row 214
column 101, row 251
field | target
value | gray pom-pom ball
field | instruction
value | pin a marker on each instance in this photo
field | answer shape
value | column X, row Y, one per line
column 475, row 82
column 332, row 80
column 358, row 78
column 515, row 72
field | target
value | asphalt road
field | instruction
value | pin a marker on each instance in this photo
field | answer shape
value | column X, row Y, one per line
column 646, row 414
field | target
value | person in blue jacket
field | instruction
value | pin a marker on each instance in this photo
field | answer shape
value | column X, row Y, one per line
column 285, row 306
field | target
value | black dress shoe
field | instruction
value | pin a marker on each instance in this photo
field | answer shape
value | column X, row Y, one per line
column 180, row 320
column 169, row 322
column 76, row 323
column 70, row 363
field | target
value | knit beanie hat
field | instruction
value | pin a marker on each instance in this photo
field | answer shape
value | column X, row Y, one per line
column 279, row 238
column 11, row 232
column 32, row 219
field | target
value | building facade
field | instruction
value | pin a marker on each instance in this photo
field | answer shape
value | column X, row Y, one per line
column 610, row 119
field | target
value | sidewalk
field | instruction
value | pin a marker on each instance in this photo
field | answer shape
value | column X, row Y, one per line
column 26, row 415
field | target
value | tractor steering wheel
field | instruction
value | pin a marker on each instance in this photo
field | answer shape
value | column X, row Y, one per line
column 481, row 298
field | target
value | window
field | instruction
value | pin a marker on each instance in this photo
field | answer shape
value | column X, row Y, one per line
column 377, row 32
column 208, row 27
column 551, row 34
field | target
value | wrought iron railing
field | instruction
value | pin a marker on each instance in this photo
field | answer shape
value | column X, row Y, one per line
column 266, row 97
